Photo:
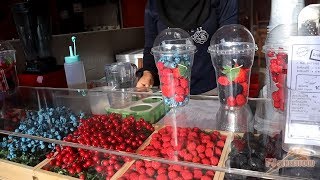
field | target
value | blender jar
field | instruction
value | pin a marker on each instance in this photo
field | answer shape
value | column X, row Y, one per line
column 232, row 50
column 8, row 74
column 276, row 52
column 173, row 52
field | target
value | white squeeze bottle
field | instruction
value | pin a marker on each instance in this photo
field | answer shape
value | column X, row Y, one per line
column 74, row 69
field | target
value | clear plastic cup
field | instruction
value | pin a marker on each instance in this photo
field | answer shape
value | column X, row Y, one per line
column 120, row 74
column 8, row 73
column 232, row 53
column 276, row 53
column 173, row 53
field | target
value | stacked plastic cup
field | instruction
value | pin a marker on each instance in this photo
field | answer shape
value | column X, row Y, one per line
column 276, row 52
column 8, row 73
column 232, row 53
column 173, row 52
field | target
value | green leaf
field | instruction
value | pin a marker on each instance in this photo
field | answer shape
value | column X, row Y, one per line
column 230, row 72
column 183, row 70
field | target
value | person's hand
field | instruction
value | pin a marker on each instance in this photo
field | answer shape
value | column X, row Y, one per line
column 146, row 80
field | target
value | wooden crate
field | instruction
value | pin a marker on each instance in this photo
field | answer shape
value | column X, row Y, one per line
column 14, row 171
column 127, row 165
column 42, row 174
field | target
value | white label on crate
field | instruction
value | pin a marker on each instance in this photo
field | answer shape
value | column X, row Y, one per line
column 303, row 100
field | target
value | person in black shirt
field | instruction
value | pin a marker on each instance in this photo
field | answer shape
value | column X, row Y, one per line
column 201, row 19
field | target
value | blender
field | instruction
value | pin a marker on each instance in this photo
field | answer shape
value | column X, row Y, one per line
column 33, row 25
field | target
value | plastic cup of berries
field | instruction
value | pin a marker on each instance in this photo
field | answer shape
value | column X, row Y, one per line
column 8, row 74
column 277, row 59
column 276, row 53
column 173, row 53
column 232, row 50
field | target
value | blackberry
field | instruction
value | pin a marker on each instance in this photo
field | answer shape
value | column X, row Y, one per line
column 238, row 160
column 244, row 61
column 256, row 164
column 232, row 90
column 261, row 154
column 263, row 139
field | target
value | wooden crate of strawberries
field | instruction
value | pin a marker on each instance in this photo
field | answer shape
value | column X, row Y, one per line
column 206, row 147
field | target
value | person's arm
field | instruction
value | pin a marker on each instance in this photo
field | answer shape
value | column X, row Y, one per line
column 150, row 32
column 228, row 12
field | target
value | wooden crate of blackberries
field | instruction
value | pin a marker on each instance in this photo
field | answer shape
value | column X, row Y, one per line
column 110, row 132
column 248, row 151
column 194, row 145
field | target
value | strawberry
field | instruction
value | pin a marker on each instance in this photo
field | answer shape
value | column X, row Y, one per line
column 196, row 159
column 241, row 100
column 200, row 148
column 220, row 143
column 177, row 167
column 245, row 88
column 156, row 165
column 186, row 175
column 166, row 80
column 180, row 90
column 276, row 104
column 139, row 163
column 188, row 157
column 143, row 176
column 162, row 170
column 148, row 164
column 176, row 82
column 209, row 145
column 191, row 146
column 176, row 72
column 275, row 96
column 162, row 177
column 206, row 177
column 197, row 173
column 209, row 152
column 160, row 65
column 205, row 161
column 214, row 160
column 270, row 53
column 167, row 91
column 150, row 171
column 134, row 175
column 182, row 153
column 231, row 101
column 156, row 144
column 172, row 174
column 167, row 72
column 210, row 173
column 202, row 156
column 184, row 82
column 166, row 138
column 217, row 151
column 242, row 76
column 223, row 80
column 141, row 170
column 179, row 98
column 194, row 153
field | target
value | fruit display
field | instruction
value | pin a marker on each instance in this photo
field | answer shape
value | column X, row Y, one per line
column 103, row 131
column 174, row 72
column 233, row 78
column 277, row 59
column 181, row 144
column 250, row 151
column 48, row 123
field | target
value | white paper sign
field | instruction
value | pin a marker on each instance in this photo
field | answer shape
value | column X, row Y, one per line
column 303, row 81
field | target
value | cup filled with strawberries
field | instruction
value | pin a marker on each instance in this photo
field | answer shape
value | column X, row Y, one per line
column 173, row 52
column 232, row 50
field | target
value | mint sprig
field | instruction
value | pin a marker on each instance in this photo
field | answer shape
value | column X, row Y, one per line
column 231, row 72
column 183, row 70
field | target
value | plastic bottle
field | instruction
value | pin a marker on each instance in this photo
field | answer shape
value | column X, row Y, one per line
column 74, row 69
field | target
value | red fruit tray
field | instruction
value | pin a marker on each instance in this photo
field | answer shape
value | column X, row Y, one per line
column 40, row 172
column 12, row 170
column 127, row 166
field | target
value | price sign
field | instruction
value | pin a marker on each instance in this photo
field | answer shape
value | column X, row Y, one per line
column 303, row 97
